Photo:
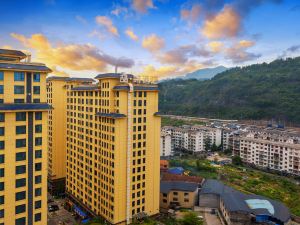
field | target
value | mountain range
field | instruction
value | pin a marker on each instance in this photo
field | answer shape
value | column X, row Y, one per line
column 259, row 91
column 205, row 74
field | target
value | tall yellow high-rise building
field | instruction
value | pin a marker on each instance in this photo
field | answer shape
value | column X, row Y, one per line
column 23, row 140
column 113, row 140
column 57, row 129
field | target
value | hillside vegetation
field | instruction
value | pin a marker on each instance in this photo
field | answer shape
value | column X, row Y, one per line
column 260, row 91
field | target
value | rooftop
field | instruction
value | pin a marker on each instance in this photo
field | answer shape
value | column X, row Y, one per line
column 167, row 186
column 12, row 53
column 112, row 75
column 237, row 201
column 76, row 79
column 39, row 67
column 183, row 178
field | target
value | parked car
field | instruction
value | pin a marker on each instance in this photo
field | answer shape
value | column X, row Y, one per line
column 53, row 208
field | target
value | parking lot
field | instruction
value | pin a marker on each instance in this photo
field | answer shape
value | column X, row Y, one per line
column 62, row 216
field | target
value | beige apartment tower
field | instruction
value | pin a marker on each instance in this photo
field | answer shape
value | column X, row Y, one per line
column 113, row 142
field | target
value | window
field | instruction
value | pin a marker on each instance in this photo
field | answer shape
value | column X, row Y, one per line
column 21, row 129
column 38, row 116
column 19, row 100
column 21, row 182
column 38, row 192
column 38, row 154
column 2, row 144
column 1, row 102
column 20, row 156
column 38, row 128
column 1, row 200
column 1, row 131
column 20, row 208
column 2, row 213
column 20, row 195
column 19, row 76
column 19, row 89
column 2, row 117
column 2, row 172
column 1, row 89
column 1, row 186
column 1, row 159
column 21, row 116
column 20, row 169
column 38, row 141
column 1, row 75
column 38, row 166
column 38, row 179
column 37, row 217
column 36, row 100
column 36, row 90
column 20, row 143
column 36, row 77
column 38, row 204
column 21, row 221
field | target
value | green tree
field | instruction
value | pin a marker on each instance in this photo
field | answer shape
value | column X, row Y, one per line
column 207, row 144
column 214, row 147
column 190, row 218
column 237, row 160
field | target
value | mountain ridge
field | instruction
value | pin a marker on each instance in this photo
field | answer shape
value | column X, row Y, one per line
column 259, row 91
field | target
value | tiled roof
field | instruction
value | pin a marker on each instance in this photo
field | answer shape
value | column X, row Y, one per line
column 111, row 115
column 10, row 52
column 24, row 106
column 24, row 67
column 80, row 79
column 167, row 186
column 235, row 200
column 112, row 75
column 85, row 88
column 184, row 178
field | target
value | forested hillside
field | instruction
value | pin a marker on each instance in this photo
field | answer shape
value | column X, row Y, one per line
column 260, row 91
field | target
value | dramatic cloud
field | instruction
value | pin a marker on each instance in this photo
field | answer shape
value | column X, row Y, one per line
column 108, row 24
column 238, row 53
column 131, row 34
column 290, row 50
column 246, row 44
column 142, row 6
column 216, row 46
column 153, row 43
column 182, row 54
column 191, row 15
column 70, row 56
column 225, row 24
column 161, row 72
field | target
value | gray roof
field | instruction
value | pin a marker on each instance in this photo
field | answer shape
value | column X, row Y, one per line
column 81, row 79
column 10, row 52
column 112, row 75
column 86, row 88
column 24, row 67
column 167, row 186
column 137, row 87
column 237, row 201
column 111, row 115
column 25, row 106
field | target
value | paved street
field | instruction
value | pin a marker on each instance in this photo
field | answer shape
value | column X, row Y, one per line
column 211, row 219
column 61, row 216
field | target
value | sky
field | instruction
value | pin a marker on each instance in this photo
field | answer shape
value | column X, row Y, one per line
column 157, row 38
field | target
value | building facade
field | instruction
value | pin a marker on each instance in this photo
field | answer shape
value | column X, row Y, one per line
column 192, row 138
column 113, row 141
column 270, row 151
column 165, row 144
column 57, row 129
column 23, row 140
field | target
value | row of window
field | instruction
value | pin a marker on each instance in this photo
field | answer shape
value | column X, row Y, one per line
column 22, row 169
column 22, row 129
column 21, row 116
